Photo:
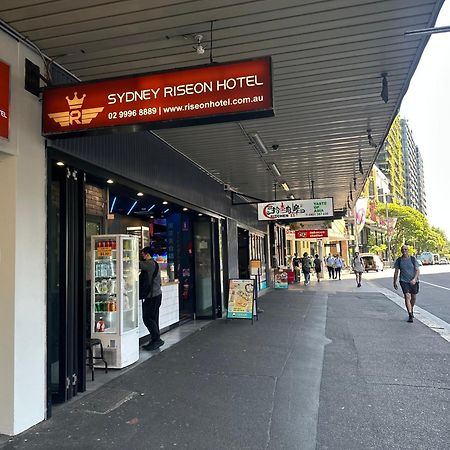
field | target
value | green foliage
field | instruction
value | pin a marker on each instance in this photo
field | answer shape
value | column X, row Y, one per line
column 413, row 228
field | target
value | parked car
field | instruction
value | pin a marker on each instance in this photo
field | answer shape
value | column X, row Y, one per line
column 443, row 261
column 372, row 262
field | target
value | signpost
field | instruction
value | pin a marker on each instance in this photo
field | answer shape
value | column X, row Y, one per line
column 296, row 209
column 281, row 279
column 241, row 299
column 204, row 94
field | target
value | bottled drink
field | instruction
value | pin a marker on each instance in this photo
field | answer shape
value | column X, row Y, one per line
column 100, row 327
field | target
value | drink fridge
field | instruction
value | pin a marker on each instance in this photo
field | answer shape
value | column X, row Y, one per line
column 114, row 298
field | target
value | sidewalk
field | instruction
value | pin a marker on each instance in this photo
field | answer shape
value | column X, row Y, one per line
column 327, row 366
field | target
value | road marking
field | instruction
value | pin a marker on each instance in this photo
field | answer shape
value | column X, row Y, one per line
column 433, row 322
column 435, row 285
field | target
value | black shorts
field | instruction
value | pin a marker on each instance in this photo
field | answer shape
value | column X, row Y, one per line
column 409, row 288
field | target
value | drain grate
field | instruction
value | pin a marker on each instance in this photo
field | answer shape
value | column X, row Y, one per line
column 105, row 400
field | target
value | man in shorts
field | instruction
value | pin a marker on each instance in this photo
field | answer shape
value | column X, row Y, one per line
column 409, row 279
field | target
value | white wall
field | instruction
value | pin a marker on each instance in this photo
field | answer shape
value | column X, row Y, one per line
column 22, row 253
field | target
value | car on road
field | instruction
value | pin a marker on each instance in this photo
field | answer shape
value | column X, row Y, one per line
column 372, row 262
column 443, row 261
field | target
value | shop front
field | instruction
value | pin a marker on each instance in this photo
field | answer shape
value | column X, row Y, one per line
column 97, row 224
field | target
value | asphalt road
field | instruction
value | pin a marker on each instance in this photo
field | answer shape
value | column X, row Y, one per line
column 434, row 294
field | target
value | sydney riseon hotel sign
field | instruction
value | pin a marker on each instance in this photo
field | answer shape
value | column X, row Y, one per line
column 206, row 94
column 4, row 100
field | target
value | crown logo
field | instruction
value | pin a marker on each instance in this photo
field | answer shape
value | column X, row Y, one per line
column 76, row 115
column 76, row 102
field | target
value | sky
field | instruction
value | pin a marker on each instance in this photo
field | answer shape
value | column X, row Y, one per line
column 426, row 105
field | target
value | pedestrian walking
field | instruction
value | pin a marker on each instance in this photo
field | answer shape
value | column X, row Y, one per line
column 296, row 261
column 317, row 267
column 358, row 267
column 338, row 265
column 408, row 267
column 306, row 268
column 330, row 266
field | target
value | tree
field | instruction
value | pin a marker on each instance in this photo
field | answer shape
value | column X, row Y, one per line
column 413, row 228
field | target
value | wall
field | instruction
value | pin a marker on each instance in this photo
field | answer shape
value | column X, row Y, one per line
column 22, row 253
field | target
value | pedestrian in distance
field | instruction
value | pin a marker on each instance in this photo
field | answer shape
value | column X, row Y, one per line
column 338, row 264
column 317, row 267
column 306, row 268
column 408, row 267
column 330, row 266
column 358, row 267
column 296, row 261
column 151, row 295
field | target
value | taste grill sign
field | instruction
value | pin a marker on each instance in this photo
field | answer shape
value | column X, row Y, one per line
column 296, row 209
column 207, row 94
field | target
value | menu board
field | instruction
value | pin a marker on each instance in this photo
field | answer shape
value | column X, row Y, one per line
column 240, row 299
column 281, row 279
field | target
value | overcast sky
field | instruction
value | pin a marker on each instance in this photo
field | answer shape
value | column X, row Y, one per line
column 426, row 105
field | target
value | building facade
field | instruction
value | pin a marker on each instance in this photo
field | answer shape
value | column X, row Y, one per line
column 390, row 162
column 414, row 174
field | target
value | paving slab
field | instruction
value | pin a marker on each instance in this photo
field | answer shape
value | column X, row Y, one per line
column 327, row 366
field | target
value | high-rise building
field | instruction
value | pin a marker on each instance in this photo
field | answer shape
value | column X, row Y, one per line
column 414, row 174
column 390, row 162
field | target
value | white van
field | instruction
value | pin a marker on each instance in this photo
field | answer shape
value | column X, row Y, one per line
column 372, row 262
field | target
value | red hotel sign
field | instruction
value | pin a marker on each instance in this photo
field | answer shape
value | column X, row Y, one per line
column 213, row 93
column 4, row 100
column 311, row 234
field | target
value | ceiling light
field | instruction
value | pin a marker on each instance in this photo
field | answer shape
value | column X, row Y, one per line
column 185, row 209
column 131, row 209
column 113, row 203
column 256, row 138
column 275, row 169
column 60, row 163
column 292, row 197
column 109, row 181
column 200, row 214
column 165, row 210
column 152, row 217
column 384, row 88
column 140, row 194
column 285, row 186
column 151, row 207
column 165, row 203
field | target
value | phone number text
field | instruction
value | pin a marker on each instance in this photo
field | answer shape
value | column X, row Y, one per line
column 132, row 113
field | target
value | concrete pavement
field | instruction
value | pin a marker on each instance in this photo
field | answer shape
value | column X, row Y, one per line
column 327, row 366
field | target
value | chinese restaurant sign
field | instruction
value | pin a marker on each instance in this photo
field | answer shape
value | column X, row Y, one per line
column 213, row 93
column 4, row 100
column 296, row 209
column 311, row 234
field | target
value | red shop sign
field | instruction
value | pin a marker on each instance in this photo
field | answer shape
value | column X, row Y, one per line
column 311, row 234
column 206, row 94
column 4, row 100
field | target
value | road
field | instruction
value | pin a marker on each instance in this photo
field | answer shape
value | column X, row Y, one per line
column 434, row 294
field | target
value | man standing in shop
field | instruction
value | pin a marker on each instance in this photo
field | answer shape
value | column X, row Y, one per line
column 151, row 294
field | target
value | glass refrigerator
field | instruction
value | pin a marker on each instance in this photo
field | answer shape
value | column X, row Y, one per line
column 114, row 298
